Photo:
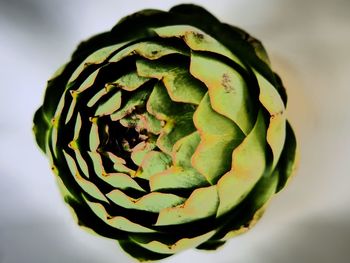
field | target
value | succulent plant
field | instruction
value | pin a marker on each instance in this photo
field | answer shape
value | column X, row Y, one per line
column 167, row 132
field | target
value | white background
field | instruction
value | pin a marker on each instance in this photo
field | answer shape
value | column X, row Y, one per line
column 309, row 45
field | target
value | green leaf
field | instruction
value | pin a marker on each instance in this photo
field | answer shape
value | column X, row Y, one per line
column 227, row 89
column 197, row 40
column 147, row 49
column 248, row 165
column 110, row 106
column 72, row 105
column 177, row 178
column 139, row 152
column 177, row 118
column 94, row 137
column 184, row 149
column 140, row 253
column 272, row 101
column 178, row 246
column 118, row 222
column 97, row 57
column 202, row 203
column 88, row 82
column 130, row 81
column 153, row 162
column 219, row 136
column 86, row 185
column 181, row 86
column 152, row 202
column 82, row 163
column 118, row 163
column 289, row 158
column 121, row 181
column 40, row 129
column 138, row 99
column 257, row 201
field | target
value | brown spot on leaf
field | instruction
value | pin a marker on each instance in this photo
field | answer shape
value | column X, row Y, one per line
column 198, row 37
column 227, row 83
column 276, row 114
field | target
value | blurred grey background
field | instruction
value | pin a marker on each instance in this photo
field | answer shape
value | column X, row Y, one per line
column 309, row 45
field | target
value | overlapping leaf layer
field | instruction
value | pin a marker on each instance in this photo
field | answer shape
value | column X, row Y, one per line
column 168, row 132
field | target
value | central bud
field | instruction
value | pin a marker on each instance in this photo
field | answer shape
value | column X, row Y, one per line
column 131, row 135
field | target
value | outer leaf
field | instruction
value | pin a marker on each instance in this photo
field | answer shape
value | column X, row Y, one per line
column 248, row 165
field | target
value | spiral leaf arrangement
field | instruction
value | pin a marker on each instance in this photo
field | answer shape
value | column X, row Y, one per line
column 168, row 132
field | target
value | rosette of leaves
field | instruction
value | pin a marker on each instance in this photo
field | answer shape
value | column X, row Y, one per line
column 167, row 132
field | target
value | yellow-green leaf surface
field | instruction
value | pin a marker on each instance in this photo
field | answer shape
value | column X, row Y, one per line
column 118, row 163
column 82, row 163
column 219, row 136
column 264, row 192
column 184, row 149
column 121, row 181
column 93, row 101
column 276, row 132
column 196, row 40
column 248, row 165
column 97, row 163
column 153, row 162
column 86, row 185
column 178, row 246
column 202, row 203
column 130, row 81
column 109, row 106
column 72, row 106
column 177, row 177
column 88, row 82
column 138, row 99
column 139, row 151
column 152, row 202
column 181, row 86
column 97, row 57
column 177, row 118
column 147, row 49
column 227, row 89
column 117, row 222
column 94, row 137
